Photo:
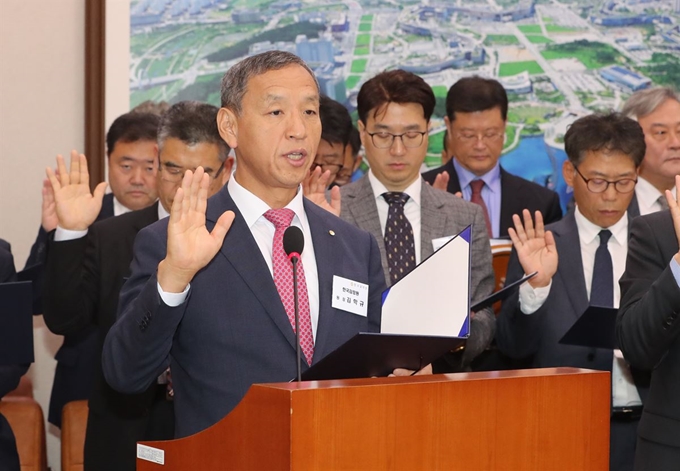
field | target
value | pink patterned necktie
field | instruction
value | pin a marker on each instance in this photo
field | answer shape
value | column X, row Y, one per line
column 283, row 279
column 476, row 186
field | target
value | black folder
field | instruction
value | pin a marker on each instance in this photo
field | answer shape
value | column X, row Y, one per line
column 16, row 323
column 370, row 354
column 595, row 328
column 501, row 294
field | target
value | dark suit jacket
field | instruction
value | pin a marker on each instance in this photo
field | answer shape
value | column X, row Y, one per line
column 232, row 330
column 516, row 194
column 77, row 357
column 519, row 335
column 648, row 329
column 84, row 277
column 538, row 334
column 441, row 215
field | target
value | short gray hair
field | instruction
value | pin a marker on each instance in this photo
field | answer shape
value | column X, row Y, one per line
column 644, row 102
column 235, row 81
column 192, row 122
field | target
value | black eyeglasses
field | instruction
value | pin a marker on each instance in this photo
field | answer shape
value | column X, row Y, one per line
column 384, row 139
column 600, row 185
column 173, row 174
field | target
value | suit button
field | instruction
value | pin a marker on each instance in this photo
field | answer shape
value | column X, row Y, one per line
column 591, row 356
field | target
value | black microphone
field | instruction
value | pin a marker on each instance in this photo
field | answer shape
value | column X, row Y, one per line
column 293, row 244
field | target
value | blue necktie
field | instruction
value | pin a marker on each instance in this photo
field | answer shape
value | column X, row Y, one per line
column 399, row 242
column 602, row 287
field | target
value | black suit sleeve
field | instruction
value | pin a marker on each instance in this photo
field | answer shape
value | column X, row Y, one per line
column 648, row 322
column 38, row 249
column 553, row 212
column 517, row 333
column 72, row 278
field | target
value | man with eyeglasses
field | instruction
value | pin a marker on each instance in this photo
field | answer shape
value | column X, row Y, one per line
column 476, row 115
column 87, row 264
column 336, row 127
column 591, row 242
column 394, row 115
column 658, row 112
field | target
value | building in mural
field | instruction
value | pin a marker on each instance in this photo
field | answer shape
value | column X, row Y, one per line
column 558, row 60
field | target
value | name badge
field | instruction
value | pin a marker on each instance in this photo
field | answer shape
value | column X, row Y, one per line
column 350, row 296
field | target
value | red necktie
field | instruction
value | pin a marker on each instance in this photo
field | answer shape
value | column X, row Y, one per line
column 476, row 186
column 283, row 279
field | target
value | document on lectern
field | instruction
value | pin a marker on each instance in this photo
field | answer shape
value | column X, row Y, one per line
column 434, row 298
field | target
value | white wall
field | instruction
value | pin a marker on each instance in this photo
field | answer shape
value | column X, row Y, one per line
column 41, row 115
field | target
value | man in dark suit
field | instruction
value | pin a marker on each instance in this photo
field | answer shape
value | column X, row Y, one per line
column 132, row 152
column 9, row 374
column 394, row 114
column 196, row 295
column 87, row 267
column 648, row 329
column 604, row 153
column 476, row 115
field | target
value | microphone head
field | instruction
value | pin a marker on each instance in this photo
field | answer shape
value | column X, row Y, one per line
column 293, row 240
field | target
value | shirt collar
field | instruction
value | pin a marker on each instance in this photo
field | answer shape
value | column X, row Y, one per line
column 252, row 208
column 162, row 213
column 587, row 231
column 490, row 178
column 413, row 190
column 118, row 207
column 647, row 194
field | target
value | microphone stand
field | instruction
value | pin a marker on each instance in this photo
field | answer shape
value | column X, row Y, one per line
column 294, row 257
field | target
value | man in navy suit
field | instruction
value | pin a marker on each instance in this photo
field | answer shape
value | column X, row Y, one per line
column 476, row 115
column 201, row 297
column 604, row 153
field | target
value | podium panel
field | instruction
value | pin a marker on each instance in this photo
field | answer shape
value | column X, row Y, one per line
column 533, row 420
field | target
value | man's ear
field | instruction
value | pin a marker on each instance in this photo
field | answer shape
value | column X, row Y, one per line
column 228, row 127
column 362, row 132
column 568, row 173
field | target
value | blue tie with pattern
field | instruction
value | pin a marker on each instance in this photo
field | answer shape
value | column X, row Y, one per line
column 399, row 242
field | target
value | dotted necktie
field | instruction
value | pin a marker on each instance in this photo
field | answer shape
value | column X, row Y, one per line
column 476, row 187
column 602, row 286
column 283, row 279
column 399, row 243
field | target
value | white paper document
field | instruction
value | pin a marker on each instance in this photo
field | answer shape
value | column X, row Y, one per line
column 434, row 298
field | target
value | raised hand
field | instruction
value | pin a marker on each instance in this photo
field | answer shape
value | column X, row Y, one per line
column 49, row 219
column 190, row 245
column 76, row 208
column 674, row 206
column 441, row 181
column 535, row 248
column 314, row 188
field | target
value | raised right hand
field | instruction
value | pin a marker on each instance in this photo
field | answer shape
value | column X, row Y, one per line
column 674, row 206
column 535, row 248
column 76, row 208
column 190, row 245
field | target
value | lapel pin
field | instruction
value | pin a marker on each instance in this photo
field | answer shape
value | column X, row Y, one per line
column 331, row 232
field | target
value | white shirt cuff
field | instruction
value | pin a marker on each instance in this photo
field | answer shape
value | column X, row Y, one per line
column 173, row 299
column 531, row 299
column 62, row 235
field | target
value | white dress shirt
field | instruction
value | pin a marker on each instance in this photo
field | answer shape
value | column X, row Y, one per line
column 252, row 209
column 624, row 392
column 648, row 196
column 411, row 208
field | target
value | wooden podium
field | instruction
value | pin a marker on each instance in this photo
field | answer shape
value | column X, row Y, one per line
column 544, row 419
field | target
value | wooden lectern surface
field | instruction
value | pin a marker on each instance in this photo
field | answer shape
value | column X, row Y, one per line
column 541, row 419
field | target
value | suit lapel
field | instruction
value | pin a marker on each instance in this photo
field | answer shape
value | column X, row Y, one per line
column 243, row 253
column 571, row 263
column 507, row 204
column 327, row 258
column 432, row 220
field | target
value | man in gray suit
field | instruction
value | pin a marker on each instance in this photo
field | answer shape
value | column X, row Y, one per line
column 394, row 114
